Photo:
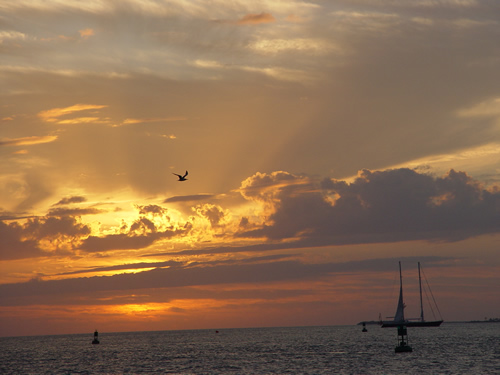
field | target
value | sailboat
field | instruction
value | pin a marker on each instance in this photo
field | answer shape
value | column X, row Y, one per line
column 399, row 317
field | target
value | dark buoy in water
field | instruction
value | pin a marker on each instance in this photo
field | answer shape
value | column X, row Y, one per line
column 95, row 340
column 364, row 328
column 403, row 346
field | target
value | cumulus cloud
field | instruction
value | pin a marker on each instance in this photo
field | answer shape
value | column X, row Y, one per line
column 265, row 186
column 215, row 214
column 381, row 206
column 152, row 209
column 121, row 241
column 153, row 224
column 62, row 231
column 40, row 236
column 12, row 244
column 378, row 206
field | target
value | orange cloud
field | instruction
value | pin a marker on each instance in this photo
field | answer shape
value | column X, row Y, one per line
column 52, row 115
column 83, row 120
column 26, row 141
column 254, row 19
column 144, row 120
column 85, row 33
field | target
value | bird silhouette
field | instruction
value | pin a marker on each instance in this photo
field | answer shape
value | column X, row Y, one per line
column 182, row 178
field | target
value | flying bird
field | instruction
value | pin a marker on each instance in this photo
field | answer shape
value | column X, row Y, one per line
column 182, row 178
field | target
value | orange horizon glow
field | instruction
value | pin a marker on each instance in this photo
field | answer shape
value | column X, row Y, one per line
column 321, row 149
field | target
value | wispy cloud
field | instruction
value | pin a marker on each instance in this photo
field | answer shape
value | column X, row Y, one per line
column 300, row 45
column 11, row 36
column 129, row 121
column 256, row 18
column 53, row 115
column 28, row 141
column 69, row 200
column 86, row 33
column 487, row 108
column 188, row 198
column 184, row 275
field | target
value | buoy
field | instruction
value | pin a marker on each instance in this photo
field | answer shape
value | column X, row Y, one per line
column 403, row 346
column 95, row 340
column 364, row 328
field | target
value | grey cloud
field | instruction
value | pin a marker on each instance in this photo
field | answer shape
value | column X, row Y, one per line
column 233, row 249
column 46, row 227
column 159, row 295
column 19, row 241
column 130, row 266
column 74, row 211
column 198, row 276
column 176, row 264
column 152, row 209
column 214, row 214
column 12, row 246
column 69, row 200
column 124, row 241
column 387, row 206
column 188, row 198
column 142, row 233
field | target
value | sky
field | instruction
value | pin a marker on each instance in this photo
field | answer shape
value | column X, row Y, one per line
column 325, row 142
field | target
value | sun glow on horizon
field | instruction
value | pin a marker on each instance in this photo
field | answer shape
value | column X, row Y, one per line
column 321, row 150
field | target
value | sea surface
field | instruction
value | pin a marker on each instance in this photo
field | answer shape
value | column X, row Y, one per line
column 453, row 348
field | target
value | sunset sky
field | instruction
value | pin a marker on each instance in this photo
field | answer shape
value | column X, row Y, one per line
column 325, row 141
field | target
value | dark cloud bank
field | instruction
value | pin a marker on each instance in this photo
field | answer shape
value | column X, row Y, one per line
column 377, row 207
column 180, row 275
column 384, row 206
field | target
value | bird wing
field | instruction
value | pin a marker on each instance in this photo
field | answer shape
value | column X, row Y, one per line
column 178, row 175
column 185, row 174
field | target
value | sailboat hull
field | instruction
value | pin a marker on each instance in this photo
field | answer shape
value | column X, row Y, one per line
column 434, row 323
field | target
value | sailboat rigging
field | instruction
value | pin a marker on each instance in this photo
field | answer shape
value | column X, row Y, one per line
column 399, row 317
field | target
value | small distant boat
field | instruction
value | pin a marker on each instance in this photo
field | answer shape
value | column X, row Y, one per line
column 95, row 340
column 399, row 317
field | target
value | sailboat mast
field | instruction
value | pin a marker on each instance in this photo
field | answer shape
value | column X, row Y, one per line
column 400, row 277
column 401, row 306
column 420, row 287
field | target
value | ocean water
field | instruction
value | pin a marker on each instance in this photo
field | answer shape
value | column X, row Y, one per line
column 454, row 348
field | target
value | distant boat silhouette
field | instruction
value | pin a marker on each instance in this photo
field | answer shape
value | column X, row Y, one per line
column 182, row 178
column 95, row 340
column 399, row 317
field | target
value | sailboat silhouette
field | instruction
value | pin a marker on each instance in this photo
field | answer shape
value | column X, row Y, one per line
column 399, row 317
